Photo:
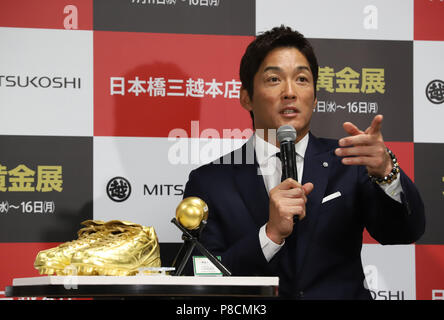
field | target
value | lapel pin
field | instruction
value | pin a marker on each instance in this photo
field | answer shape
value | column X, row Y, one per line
column 325, row 164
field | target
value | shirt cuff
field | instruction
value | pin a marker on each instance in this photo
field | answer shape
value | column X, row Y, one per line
column 393, row 189
column 269, row 248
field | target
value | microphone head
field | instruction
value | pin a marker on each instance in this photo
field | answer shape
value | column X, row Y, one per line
column 286, row 133
column 191, row 211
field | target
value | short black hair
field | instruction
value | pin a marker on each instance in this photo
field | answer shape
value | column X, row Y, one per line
column 264, row 43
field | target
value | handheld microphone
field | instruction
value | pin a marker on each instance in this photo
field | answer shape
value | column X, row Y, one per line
column 287, row 136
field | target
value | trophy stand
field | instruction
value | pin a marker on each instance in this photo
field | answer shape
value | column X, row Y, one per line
column 191, row 240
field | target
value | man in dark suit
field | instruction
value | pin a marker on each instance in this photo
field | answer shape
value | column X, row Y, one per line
column 340, row 190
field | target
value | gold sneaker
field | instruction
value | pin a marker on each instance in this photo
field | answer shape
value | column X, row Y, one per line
column 125, row 249
column 55, row 260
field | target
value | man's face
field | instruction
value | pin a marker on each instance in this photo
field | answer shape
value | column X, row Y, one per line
column 283, row 92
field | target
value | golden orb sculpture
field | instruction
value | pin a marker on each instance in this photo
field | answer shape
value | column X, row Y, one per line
column 191, row 211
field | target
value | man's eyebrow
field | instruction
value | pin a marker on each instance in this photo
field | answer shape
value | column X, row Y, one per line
column 303, row 68
column 275, row 68
column 272, row 68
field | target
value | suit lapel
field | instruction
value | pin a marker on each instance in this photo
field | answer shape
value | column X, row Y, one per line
column 251, row 187
column 316, row 170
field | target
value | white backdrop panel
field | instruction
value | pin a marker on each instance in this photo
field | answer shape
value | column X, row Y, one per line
column 339, row 19
column 157, row 169
column 46, row 82
column 428, row 66
column 390, row 271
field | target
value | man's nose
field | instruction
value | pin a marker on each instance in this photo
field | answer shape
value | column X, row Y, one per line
column 289, row 91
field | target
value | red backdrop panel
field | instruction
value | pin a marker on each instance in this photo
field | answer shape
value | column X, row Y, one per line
column 428, row 20
column 18, row 261
column 429, row 272
column 148, row 84
column 50, row 14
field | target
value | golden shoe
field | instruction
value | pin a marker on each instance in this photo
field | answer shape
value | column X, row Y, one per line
column 126, row 248
column 55, row 260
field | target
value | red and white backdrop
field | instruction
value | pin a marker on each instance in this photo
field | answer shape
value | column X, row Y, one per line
column 106, row 106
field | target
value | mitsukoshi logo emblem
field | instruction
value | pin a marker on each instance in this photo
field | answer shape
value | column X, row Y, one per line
column 435, row 91
column 118, row 189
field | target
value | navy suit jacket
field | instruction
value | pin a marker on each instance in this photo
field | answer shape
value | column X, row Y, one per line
column 321, row 259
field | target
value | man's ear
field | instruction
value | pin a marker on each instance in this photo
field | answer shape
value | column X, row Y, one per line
column 245, row 100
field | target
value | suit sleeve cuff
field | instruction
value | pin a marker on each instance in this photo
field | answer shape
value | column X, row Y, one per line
column 393, row 189
column 269, row 248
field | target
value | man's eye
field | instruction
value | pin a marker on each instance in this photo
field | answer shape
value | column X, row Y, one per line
column 273, row 79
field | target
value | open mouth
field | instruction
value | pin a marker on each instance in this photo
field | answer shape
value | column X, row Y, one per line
column 289, row 111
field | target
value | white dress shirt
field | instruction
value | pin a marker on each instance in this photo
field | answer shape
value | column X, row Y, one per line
column 271, row 170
